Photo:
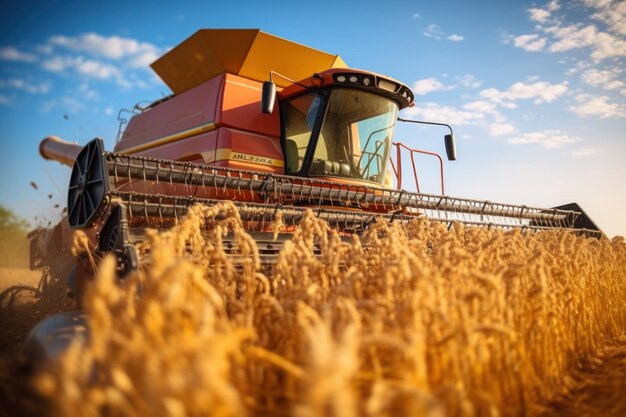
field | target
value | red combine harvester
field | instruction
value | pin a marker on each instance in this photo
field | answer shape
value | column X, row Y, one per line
column 322, row 142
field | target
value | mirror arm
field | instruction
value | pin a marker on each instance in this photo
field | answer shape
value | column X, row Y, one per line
column 448, row 139
column 426, row 123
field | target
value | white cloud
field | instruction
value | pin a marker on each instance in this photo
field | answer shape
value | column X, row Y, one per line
column 113, row 47
column 572, row 37
column 530, row 43
column 91, row 56
column 552, row 35
column 416, row 16
column 128, row 52
column 580, row 65
column 428, row 85
column 477, row 113
column 144, row 59
column 10, row 53
column 434, row 31
column 496, row 96
column 549, row 139
column 500, row 129
column 469, row 81
column 538, row 15
column 603, row 45
column 611, row 13
column 108, row 111
column 541, row 15
column 88, row 67
column 5, row 100
column 553, row 6
column 607, row 79
column 99, row 57
column 585, row 152
column 540, row 92
column 56, row 63
column 597, row 106
column 97, row 69
column 597, row 77
column 480, row 106
column 597, row 3
column 20, row 84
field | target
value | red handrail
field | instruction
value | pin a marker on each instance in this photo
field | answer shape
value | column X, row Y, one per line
column 398, row 171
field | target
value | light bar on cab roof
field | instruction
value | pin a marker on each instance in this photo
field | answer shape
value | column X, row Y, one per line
column 371, row 81
column 387, row 85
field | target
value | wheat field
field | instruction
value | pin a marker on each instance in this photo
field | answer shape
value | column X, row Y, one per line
column 406, row 320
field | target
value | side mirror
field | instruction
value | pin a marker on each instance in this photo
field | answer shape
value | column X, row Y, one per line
column 268, row 97
column 450, row 147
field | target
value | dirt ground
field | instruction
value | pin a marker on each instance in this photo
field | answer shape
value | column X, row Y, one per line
column 26, row 297
column 598, row 389
column 19, row 294
column 12, row 276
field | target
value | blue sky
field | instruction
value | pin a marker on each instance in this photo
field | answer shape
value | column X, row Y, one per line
column 535, row 91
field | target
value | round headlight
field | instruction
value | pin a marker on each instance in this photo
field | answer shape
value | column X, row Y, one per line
column 353, row 79
column 367, row 81
column 341, row 78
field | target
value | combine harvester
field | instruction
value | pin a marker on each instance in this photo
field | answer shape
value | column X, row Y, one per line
column 322, row 142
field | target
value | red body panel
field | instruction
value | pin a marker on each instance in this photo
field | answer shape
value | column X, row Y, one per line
column 249, row 151
column 219, row 123
column 240, row 107
column 193, row 149
column 192, row 108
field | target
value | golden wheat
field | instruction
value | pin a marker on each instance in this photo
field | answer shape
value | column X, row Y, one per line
column 407, row 320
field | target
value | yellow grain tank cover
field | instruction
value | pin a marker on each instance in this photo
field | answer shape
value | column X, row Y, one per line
column 248, row 53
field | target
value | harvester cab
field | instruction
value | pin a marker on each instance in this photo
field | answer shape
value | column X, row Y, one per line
column 340, row 124
column 269, row 125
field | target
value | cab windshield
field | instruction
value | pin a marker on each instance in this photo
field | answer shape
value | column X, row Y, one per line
column 354, row 137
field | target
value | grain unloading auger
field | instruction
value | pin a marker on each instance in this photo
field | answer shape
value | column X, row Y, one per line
column 323, row 143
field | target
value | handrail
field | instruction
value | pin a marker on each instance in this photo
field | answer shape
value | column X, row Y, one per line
column 123, row 121
column 412, row 152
